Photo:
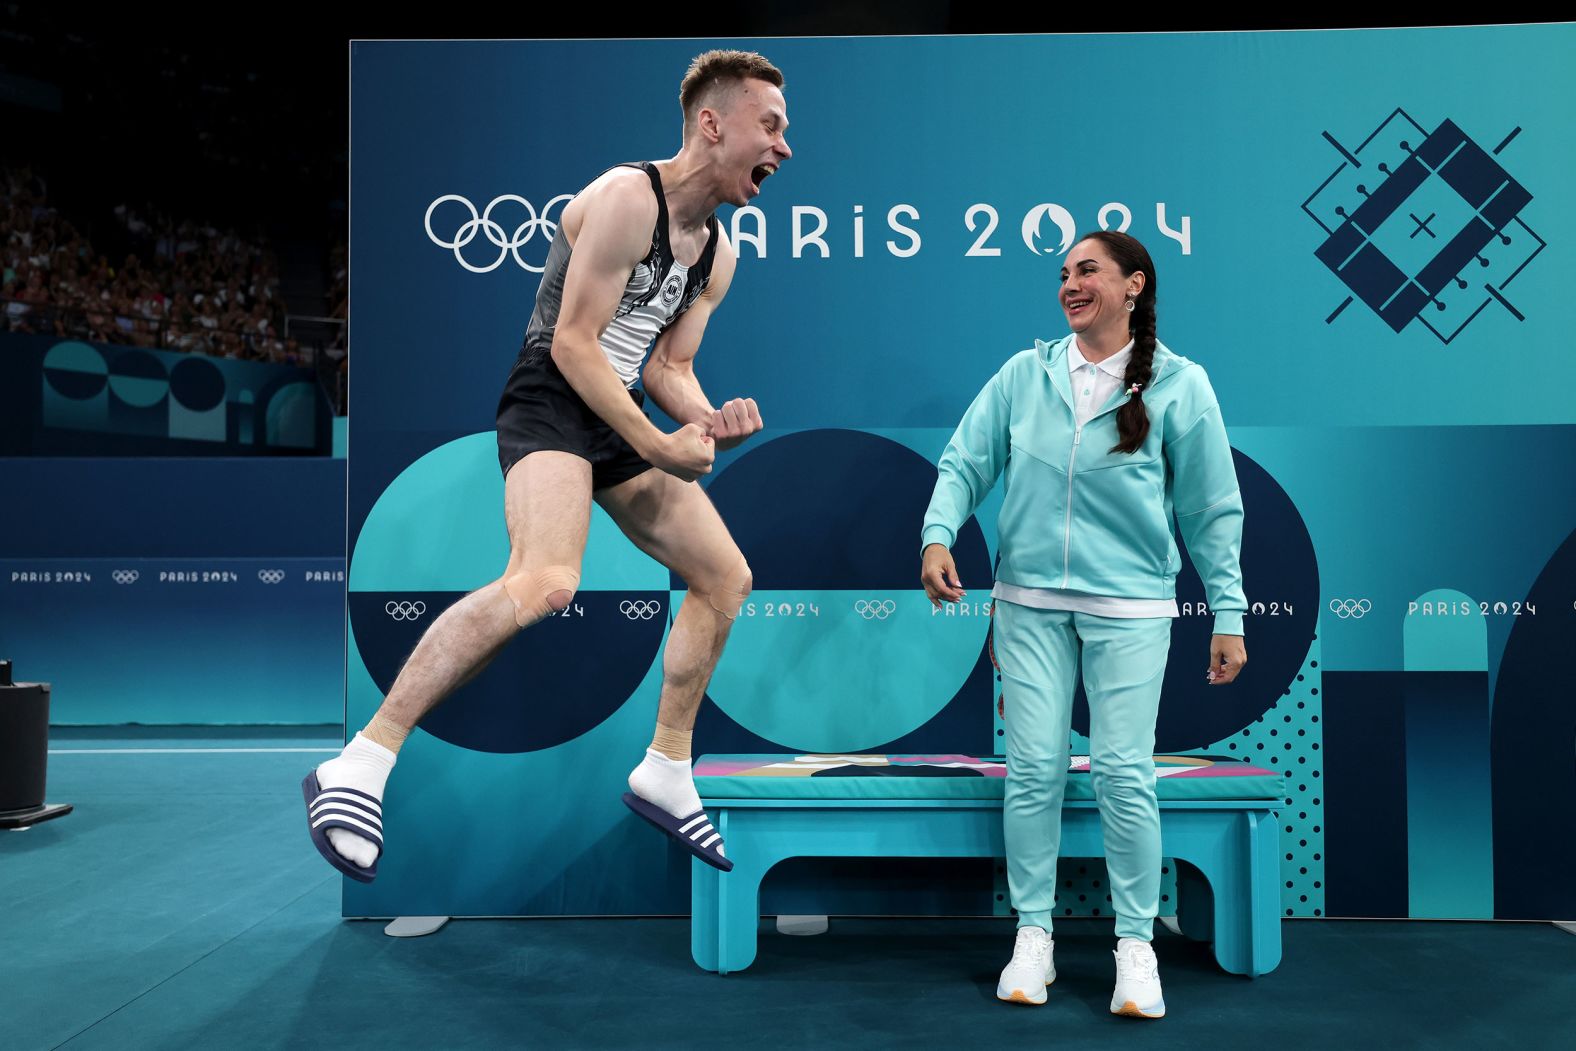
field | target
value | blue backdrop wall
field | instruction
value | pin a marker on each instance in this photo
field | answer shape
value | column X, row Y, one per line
column 171, row 535
column 173, row 590
column 1362, row 239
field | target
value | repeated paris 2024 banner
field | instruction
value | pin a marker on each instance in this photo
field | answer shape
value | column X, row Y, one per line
column 1359, row 239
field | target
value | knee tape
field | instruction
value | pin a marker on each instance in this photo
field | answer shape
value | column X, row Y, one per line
column 533, row 591
column 728, row 596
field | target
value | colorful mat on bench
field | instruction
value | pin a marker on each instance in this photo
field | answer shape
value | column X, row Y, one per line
column 1190, row 777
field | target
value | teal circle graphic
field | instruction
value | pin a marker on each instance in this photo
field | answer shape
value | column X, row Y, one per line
column 198, row 384
column 75, row 370
column 439, row 527
column 838, row 649
column 437, row 534
column 291, row 416
column 138, row 379
column 842, row 670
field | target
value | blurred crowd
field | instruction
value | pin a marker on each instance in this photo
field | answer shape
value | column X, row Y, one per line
column 184, row 285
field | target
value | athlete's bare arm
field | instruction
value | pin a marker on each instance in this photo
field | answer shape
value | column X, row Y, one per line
column 669, row 376
column 616, row 215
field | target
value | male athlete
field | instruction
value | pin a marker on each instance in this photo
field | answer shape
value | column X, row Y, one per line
column 638, row 256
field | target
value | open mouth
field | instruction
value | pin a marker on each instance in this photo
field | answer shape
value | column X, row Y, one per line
column 1077, row 306
column 759, row 173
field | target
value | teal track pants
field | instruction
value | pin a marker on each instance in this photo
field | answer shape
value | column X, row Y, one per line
column 1124, row 664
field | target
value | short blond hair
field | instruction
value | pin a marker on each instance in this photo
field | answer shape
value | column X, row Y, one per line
column 718, row 71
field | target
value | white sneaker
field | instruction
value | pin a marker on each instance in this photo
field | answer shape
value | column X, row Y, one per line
column 1023, row 980
column 1137, row 992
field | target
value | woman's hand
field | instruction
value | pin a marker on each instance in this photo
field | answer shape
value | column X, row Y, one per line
column 1227, row 655
column 939, row 574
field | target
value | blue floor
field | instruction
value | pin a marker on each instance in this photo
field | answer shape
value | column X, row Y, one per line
column 182, row 906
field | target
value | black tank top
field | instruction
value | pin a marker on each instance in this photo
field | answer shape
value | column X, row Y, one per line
column 659, row 290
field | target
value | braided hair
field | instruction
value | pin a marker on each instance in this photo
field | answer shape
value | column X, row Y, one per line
column 1132, row 420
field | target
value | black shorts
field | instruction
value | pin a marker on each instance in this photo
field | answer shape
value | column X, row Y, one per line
column 539, row 411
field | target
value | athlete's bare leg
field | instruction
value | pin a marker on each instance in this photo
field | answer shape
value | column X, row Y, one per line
column 547, row 509
column 675, row 523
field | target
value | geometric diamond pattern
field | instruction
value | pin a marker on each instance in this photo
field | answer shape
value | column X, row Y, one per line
column 1431, row 231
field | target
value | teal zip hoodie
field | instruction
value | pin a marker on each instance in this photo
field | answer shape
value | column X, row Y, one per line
column 1079, row 517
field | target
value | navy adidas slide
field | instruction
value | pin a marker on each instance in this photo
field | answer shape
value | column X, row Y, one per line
column 345, row 808
column 694, row 833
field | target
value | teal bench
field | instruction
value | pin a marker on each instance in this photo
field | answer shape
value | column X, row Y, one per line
column 1217, row 820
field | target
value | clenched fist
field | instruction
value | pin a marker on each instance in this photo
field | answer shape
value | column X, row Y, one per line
column 735, row 421
column 686, row 454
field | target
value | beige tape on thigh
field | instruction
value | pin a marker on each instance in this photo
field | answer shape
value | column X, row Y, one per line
column 533, row 591
column 728, row 597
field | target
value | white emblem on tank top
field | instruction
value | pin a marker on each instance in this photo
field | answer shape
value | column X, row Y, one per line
column 630, row 333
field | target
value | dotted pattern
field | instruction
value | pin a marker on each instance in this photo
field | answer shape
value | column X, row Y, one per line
column 1288, row 738
column 1082, row 888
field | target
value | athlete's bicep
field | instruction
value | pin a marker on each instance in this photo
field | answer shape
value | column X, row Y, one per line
column 722, row 266
column 615, row 235
column 681, row 342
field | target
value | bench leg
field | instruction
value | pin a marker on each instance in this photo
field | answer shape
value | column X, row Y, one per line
column 1247, row 898
column 1195, row 903
column 705, row 912
column 725, row 912
column 1264, row 845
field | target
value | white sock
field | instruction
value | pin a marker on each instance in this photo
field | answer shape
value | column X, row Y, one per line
column 666, row 783
column 364, row 765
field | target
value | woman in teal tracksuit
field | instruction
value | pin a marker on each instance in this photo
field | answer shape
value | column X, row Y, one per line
column 1105, row 437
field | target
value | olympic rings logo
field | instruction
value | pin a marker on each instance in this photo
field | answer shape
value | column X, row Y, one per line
column 270, row 576
column 1355, row 608
column 875, row 610
column 125, row 576
column 484, row 223
column 405, row 610
column 640, row 609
